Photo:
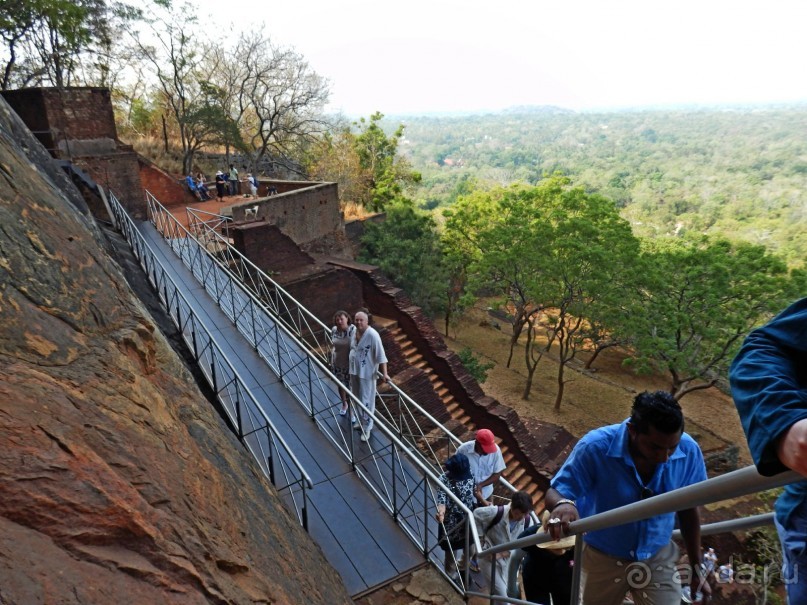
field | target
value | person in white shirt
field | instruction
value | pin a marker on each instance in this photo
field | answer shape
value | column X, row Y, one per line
column 366, row 358
column 709, row 561
column 499, row 525
column 487, row 463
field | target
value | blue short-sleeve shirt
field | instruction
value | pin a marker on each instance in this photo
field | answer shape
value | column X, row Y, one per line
column 600, row 475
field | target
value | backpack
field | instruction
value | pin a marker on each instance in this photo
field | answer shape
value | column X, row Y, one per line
column 497, row 518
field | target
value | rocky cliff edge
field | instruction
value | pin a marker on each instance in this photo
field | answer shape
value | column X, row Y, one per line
column 119, row 483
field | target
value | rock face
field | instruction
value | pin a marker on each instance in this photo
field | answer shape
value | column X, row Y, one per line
column 119, row 483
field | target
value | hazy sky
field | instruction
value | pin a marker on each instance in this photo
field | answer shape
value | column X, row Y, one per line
column 417, row 56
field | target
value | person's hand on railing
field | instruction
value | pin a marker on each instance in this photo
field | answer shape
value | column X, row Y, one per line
column 562, row 515
column 479, row 498
column 441, row 513
column 792, row 448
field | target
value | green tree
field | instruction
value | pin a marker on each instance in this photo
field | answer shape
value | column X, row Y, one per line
column 587, row 258
column 387, row 173
column 485, row 229
column 61, row 42
column 700, row 297
column 333, row 158
column 474, row 364
column 557, row 254
column 196, row 104
column 406, row 247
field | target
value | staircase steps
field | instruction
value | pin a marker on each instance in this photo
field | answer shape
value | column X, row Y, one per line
column 514, row 474
column 507, row 455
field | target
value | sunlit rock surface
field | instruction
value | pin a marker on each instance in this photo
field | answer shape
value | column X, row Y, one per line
column 119, row 483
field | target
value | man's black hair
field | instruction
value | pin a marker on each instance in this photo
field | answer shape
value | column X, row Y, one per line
column 521, row 501
column 659, row 410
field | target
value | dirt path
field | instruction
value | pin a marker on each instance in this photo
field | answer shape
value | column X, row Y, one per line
column 591, row 399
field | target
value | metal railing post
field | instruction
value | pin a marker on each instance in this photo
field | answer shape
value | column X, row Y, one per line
column 310, row 386
column 238, row 413
column 253, row 324
column 277, row 349
column 213, row 374
column 394, row 494
column 232, row 299
column 195, row 345
column 351, row 440
column 305, row 506
column 425, row 518
column 577, row 569
column 271, row 459
column 492, row 585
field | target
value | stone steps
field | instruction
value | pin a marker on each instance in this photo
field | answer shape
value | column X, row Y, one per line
column 515, row 474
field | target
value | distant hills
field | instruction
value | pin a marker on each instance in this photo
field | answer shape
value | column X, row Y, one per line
column 735, row 171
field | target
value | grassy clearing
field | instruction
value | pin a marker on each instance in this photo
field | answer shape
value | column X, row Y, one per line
column 593, row 398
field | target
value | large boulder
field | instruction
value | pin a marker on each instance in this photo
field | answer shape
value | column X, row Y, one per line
column 119, row 483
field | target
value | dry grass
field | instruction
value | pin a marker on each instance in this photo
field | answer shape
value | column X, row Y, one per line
column 354, row 211
column 153, row 148
column 591, row 399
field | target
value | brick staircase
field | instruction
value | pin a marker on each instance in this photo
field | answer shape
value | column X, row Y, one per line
column 515, row 475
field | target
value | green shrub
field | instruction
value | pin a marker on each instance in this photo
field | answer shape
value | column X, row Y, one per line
column 474, row 364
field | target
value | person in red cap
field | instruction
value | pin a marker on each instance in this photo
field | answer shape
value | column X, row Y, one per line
column 487, row 464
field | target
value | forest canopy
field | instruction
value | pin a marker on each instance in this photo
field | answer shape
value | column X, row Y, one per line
column 740, row 173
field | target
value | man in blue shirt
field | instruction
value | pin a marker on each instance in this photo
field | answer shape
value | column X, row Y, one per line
column 646, row 455
column 769, row 385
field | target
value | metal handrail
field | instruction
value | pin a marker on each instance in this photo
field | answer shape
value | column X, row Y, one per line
column 737, row 483
column 310, row 375
column 159, row 276
column 262, row 286
column 744, row 481
column 725, row 487
column 710, row 529
column 287, row 309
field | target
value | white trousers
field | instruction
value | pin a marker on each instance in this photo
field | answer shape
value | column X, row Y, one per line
column 500, row 582
column 364, row 389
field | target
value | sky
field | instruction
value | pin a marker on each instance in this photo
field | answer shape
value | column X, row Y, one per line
column 446, row 56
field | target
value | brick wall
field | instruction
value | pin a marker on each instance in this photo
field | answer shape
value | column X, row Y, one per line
column 326, row 291
column 29, row 104
column 286, row 186
column 322, row 288
column 267, row 247
column 78, row 124
column 81, row 113
column 69, row 114
column 169, row 190
column 118, row 172
column 305, row 214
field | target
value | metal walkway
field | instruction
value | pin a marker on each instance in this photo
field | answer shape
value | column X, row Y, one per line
column 359, row 538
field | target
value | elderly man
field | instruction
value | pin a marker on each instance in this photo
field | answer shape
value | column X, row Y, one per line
column 487, row 464
column 366, row 358
column 769, row 385
column 645, row 455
